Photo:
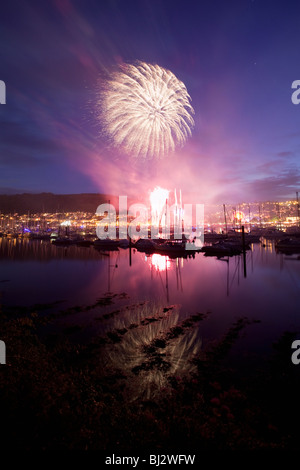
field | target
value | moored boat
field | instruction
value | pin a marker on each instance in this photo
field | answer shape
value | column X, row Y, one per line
column 222, row 248
column 106, row 243
column 85, row 243
column 62, row 241
column 145, row 245
column 288, row 245
column 170, row 245
column 124, row 243
column 272, row 234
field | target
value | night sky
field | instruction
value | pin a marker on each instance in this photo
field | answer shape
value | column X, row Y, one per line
column 238, row 60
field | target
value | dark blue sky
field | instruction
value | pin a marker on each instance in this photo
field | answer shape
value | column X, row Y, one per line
column 237, row 59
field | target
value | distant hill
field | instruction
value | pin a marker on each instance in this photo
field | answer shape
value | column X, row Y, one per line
column 51, row 203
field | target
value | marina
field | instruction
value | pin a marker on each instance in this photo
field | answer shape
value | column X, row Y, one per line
column 147, row 321
column 149, row 228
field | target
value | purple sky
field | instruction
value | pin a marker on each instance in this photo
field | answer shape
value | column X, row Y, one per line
column 238, row 60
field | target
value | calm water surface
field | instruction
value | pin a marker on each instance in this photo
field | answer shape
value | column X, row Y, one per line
column 37, row 272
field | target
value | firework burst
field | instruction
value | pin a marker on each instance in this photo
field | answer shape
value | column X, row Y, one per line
column 146, row 110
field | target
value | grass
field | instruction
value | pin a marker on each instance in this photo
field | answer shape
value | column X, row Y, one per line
column 144, row 381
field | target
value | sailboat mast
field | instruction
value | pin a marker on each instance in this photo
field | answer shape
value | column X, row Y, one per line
column 225, row 218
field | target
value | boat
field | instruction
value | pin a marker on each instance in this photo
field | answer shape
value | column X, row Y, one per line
column 272, row 234
column 62, row 241
column 252, row 238
column 145, row 245
column 106, row 243
column 39, row 236
column 12, row 235
column 124, row 243
column 222, row 248
column 237, row 243
column 84, row 242
column 171, row 248
column 288, row 245
column 170, row 245
column 293, row 231
column 213, row 237
column 249, row 237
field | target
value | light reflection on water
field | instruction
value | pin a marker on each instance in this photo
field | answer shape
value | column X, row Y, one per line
column 155, row 346
column 35, row 272
column 159, row 262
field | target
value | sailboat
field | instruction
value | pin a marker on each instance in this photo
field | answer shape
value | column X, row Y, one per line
column 106, row 244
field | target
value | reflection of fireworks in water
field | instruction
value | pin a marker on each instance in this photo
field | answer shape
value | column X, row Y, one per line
column 172, row 359
column 146, row 110
column 159, row 262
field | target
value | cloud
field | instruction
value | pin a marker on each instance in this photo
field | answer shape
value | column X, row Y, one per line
column 23, row 147
column 285, row 154
column 279, row 186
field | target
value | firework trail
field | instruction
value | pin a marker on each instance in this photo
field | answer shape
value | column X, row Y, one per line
column 146, row 110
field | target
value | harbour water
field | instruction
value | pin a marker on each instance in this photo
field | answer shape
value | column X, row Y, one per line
column 120, row 350
column 35, row 272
